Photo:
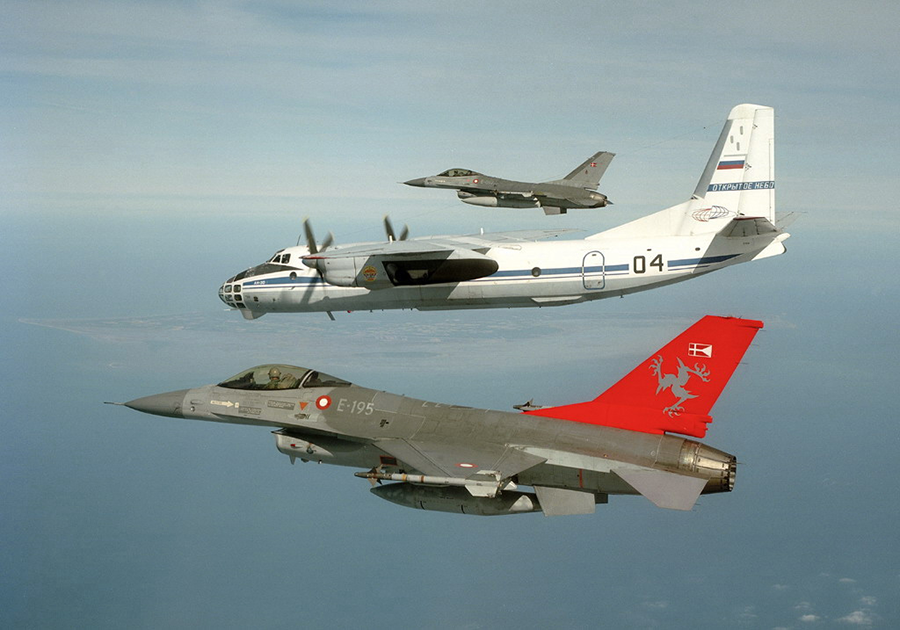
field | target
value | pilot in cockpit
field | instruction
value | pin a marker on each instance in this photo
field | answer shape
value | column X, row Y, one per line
column 274, row 379
column 277, row 380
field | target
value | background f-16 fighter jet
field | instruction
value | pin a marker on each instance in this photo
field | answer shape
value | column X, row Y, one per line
column 475, row 461
column 729, row 219
column 578, row 189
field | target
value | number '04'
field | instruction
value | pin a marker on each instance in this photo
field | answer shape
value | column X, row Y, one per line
column 639, row 264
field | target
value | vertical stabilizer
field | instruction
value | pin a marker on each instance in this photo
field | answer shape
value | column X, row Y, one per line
column 738, row 182
column 675, row 389
column 740, row 176
column 587, row 175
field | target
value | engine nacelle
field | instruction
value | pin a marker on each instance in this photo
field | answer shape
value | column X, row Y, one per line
column 719, row 466
column 600, row 200
column 402, row 269
column 351, row 271
column 457, row 499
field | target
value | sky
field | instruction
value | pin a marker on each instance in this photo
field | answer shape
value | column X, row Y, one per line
column 149, row 150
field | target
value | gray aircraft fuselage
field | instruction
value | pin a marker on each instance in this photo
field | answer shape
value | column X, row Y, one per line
column 493, row 192
column 447, row 458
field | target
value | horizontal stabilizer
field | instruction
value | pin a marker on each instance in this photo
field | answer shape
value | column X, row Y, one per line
column 664, row 489
column 559, row 501
column 784, row 220
column 742, row 227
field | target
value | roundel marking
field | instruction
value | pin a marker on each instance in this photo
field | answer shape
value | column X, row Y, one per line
column 323, row 402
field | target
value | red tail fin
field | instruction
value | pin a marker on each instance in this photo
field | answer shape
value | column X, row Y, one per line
column 674, row 389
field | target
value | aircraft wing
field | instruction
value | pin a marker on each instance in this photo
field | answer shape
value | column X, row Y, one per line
column 459, row 459
column 416, row 262
column 436, row 245
column 410, row 248
column 519, row 236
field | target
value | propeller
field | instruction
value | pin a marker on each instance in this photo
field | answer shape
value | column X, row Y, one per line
column 311, row 238
column 389, row 229
column 313, row 249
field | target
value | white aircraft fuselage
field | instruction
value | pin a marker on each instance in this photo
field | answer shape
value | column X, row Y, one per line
column 537, row 273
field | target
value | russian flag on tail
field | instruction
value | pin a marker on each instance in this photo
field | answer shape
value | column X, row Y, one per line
column 727, row 165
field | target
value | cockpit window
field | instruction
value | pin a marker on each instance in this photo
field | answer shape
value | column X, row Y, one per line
column 285, row 259
column 320, row 379
column 266, row 267
column 457, row 172
column 267, row 377
column 280, row 376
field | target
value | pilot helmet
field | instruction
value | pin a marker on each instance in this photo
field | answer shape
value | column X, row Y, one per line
column 274, row 373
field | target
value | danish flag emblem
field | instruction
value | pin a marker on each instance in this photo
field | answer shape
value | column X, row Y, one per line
column 700, row 350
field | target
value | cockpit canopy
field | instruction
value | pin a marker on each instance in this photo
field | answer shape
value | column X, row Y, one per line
column 280, row 258
column 279, row 376
column 458, row 172
column 279, row 262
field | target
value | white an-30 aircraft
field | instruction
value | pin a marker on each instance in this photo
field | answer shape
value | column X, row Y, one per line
column 729, row 219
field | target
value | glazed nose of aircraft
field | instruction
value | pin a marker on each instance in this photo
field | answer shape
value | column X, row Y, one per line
column 230, row 293
column 168, row 404
column 419, row 181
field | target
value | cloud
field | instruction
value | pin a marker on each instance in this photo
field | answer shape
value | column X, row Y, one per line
column 868, row 600
column 748, row 613
column 858, row 618
column 847, row 581
column 809, row 618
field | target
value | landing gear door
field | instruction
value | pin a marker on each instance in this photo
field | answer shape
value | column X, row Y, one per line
column 593, row 271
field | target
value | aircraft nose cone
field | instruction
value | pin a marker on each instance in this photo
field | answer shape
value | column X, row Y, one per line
column 168, row 404
column 419, row 181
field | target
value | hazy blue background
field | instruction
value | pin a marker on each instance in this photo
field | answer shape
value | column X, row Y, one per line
column 150, row 150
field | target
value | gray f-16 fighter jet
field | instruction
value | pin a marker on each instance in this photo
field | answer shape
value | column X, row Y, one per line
column 578, row 189
column 475, row 461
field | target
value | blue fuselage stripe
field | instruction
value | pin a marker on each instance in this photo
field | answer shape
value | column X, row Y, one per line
column 509, row 274
column 705, row 260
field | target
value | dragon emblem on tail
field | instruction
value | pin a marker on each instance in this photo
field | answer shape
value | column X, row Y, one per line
column 676, row 382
